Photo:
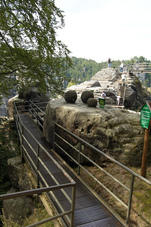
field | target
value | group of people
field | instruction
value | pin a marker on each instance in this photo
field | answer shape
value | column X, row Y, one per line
column 103, row 96
column 123, row 67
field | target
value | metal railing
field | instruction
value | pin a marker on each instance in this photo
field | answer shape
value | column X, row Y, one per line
column 39, row 191
column 64, row 138
column 37, row 110
column 68, row 148
column 35, row 160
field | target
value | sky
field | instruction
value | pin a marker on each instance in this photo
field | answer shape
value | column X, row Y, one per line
column 102, row 29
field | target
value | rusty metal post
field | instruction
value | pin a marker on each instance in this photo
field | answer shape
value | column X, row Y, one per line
column 144, row 155
column 73, row 204
column 21, row 142
column 130, row 200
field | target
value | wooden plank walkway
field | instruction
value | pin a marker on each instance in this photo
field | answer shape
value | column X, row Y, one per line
column 89, row 212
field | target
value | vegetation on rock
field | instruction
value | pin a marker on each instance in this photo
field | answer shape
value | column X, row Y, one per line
column 70, row 96
column 86, row 95
column 8, row 148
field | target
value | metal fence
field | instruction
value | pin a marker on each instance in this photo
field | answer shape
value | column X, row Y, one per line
column 32, row 155
column 73, row 148
column 65, row 143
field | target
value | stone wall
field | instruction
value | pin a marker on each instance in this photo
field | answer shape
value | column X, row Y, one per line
column 115, row 131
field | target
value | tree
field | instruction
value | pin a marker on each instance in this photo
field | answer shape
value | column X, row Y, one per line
column 28, row 44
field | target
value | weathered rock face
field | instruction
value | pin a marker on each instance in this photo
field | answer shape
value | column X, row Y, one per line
column 110, row 81
column 135, row 95
column 107, row 74
column 11, row 106
column 113, row 130
column 18, row 209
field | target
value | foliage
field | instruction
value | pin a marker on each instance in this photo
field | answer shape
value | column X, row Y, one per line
column 39, row 214
column 83, row 69
column 71, row 83
column 9, row 148
column 70, row 96
column 29, row 49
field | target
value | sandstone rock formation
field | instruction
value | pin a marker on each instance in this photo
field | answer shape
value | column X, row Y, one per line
column 11, row 106
column 132, row 94
column 17, row 209
column 113, row 130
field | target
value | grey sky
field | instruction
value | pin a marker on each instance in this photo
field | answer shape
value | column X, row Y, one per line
column 99, row 29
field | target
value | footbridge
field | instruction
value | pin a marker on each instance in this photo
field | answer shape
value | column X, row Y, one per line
column 70, row 185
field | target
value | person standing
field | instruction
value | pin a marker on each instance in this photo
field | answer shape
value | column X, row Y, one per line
column 109, row 63
column 118, row 100
column 103, row 95
column 121, row 67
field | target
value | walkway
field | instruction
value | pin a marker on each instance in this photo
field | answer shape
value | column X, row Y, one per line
column 88, row 210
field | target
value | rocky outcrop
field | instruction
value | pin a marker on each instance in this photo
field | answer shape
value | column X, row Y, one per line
column 18, row 209
column 113, row 130
column 132, row 94
column 135, row 95
column 11, row 106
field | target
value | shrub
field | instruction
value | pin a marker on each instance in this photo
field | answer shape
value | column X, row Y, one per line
column 70, row 96
column 92, row 102
column 86, row 95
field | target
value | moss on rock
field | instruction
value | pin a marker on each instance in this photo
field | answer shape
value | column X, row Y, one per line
column 70, row 96
column 92, row 102
column 86, row 95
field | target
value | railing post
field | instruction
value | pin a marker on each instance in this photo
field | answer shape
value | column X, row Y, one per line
column 73, row 204
column 79, row 158
column 130, row 200
column 53, row 135
column 21, row 142
column 37, row 171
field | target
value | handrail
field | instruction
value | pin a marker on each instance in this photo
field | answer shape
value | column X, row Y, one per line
column 34, row 191
column 21, row 130
column 105, row 155
column 39, row 191
column 37, row 142
column 80, row 154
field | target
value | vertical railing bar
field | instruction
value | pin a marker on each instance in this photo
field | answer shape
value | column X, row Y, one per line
column 21, row 142
column 79, row 158
column 38, row 184
column 130, row 199
column 73, row 204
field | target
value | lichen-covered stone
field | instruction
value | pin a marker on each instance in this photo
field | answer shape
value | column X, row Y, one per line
column 86, row 95
column 92, row 102
column 70, row 96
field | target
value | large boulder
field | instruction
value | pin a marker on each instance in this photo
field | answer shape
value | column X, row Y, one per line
column 17, row 209
column 135, row 95
column 113, row 130
column 106, row 74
